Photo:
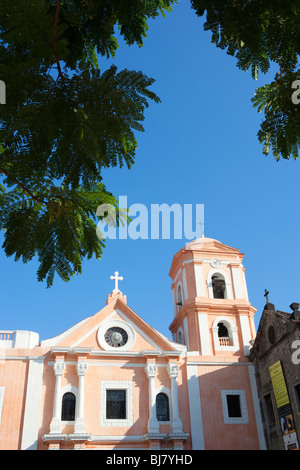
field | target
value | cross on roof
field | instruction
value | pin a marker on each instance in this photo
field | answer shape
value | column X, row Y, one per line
column 202, row 228
column 266, row 294
column 116, row 278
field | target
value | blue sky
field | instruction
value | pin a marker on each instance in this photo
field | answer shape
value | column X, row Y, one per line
column 199, row 147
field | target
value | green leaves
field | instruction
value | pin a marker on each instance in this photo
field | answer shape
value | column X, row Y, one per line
column 280, row 130
column 61, row 231
column 64, row 122
column 259, row 34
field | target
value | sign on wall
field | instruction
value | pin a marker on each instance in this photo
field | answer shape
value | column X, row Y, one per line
column 284, row 408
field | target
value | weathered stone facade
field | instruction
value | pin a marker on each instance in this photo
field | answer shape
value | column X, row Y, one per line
column 277, row 341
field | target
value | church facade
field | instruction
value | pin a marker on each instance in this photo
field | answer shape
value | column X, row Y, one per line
column 114, row 382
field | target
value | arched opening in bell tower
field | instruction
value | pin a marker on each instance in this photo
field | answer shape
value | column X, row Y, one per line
column 219, row 286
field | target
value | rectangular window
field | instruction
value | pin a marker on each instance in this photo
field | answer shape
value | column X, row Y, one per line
column 297, row 394
column 271, row 423
column 115, row 404
column 234, row 407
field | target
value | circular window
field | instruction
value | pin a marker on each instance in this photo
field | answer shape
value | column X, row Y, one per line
column 116, row 337
column 271, row 334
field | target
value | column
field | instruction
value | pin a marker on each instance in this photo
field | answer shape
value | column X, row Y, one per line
column 204, row 334
column 197, row 433
column 81, row 367
column 176, row 425
column 199, row 281
column 55, row 426
column 246, row 333
column 33, row 404
column 153, row 424
column 237, row 285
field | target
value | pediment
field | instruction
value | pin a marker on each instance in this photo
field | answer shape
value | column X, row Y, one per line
column 272, row 327
column 206, row 248
column 211, row 245
column 117, row 316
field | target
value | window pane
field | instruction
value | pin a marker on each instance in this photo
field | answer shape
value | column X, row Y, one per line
column 68, row 407
column 115, row 404
column 162, row 407
column 234, row 406
column 269, row 407
column 297, row 392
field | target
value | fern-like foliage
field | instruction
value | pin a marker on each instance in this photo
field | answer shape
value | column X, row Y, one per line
column 259, row 33
column 64, row 121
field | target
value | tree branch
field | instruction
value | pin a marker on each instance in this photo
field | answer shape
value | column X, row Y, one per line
column 23, row 187
column 54, row 39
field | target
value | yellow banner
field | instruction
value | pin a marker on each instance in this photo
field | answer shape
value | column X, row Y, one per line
column 279, row 386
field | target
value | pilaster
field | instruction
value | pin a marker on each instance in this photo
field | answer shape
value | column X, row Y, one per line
column 81, row 368
column 176, row 425
column 153, row 424
column 55, row 426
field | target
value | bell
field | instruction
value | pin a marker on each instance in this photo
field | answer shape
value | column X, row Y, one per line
column 218, row 284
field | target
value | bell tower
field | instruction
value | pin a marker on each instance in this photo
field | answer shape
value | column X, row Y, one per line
column 212, row 312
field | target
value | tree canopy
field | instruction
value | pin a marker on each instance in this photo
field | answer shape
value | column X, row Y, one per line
column 259, row 33
column 64, row 121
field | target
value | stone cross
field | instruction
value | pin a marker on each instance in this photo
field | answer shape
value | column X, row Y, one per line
column 116, row 278
column 266, row 295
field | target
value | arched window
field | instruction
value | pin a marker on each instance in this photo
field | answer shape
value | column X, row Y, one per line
column 223, row 334
column 180, row 336
column 68, row 407
column 162, row 407
column 179, row 297
column 219, row 286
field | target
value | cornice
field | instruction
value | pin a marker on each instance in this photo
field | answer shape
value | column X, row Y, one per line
column 210, row 307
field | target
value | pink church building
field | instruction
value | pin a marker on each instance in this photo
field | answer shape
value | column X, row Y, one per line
column 113, row 382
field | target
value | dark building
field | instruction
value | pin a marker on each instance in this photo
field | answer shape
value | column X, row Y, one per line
column 276, row 356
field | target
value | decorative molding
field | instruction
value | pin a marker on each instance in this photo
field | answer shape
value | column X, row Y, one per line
column 151, row 370
column 81, row 368
column 58, row 367
column 118, row 438
column 55, row 437
column 173, row 370
column 216, row 363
